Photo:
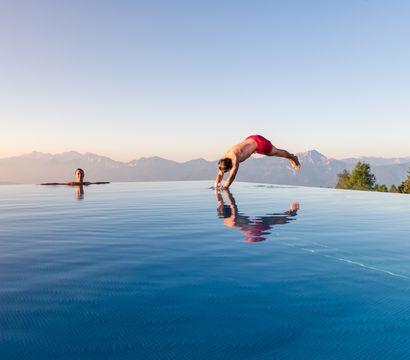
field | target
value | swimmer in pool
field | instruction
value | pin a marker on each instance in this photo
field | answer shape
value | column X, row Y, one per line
column 240, row 152
column 79, row 180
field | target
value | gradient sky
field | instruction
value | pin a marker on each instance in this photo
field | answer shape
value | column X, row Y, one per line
column 187, row 79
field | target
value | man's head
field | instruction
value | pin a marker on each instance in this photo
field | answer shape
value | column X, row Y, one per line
column 79, row 175
column 225, row 164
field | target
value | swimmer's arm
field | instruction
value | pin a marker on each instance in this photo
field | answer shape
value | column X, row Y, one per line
column 232, row 174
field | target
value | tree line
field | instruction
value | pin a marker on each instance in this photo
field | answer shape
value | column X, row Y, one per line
column 361, row 178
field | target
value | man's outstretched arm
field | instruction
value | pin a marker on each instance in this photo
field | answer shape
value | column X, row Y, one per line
column 232, row 174
column 218, row 179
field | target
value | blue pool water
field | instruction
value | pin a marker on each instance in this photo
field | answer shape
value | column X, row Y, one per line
column 172, row 271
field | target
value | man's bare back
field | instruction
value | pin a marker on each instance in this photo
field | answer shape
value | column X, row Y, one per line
column 242, row 151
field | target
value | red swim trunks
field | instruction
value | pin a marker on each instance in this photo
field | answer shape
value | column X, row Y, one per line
column 264, row 145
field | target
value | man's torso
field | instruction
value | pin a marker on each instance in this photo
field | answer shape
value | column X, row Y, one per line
column 243, row 150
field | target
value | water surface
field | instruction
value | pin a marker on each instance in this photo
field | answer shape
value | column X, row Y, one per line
column 175, row 271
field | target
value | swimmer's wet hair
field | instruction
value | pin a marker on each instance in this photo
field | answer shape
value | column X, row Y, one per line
column 225, row 164
column 80, row 170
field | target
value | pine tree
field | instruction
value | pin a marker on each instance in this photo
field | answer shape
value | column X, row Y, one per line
column 361, row 177
column 343, row 181
column 405, row 185
column 380, row 188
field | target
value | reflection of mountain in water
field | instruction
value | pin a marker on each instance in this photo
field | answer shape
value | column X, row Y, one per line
column 253, row 229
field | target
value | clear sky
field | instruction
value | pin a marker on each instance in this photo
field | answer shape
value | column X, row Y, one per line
column 187, row 79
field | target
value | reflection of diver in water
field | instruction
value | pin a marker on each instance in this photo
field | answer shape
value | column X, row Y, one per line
column 253, row 229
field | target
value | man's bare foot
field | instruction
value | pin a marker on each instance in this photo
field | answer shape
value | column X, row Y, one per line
column 294, row 161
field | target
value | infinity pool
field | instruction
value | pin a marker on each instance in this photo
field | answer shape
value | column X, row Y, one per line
column 175, row 271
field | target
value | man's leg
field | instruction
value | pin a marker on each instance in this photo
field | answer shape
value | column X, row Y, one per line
column 293, row 159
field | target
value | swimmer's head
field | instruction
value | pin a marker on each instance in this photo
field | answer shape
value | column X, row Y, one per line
column 225, row 164
column 79, row 175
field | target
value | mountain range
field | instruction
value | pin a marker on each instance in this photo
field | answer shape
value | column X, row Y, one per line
column 317, row 170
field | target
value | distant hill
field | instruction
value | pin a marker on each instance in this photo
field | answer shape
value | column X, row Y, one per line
column 317, row 170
